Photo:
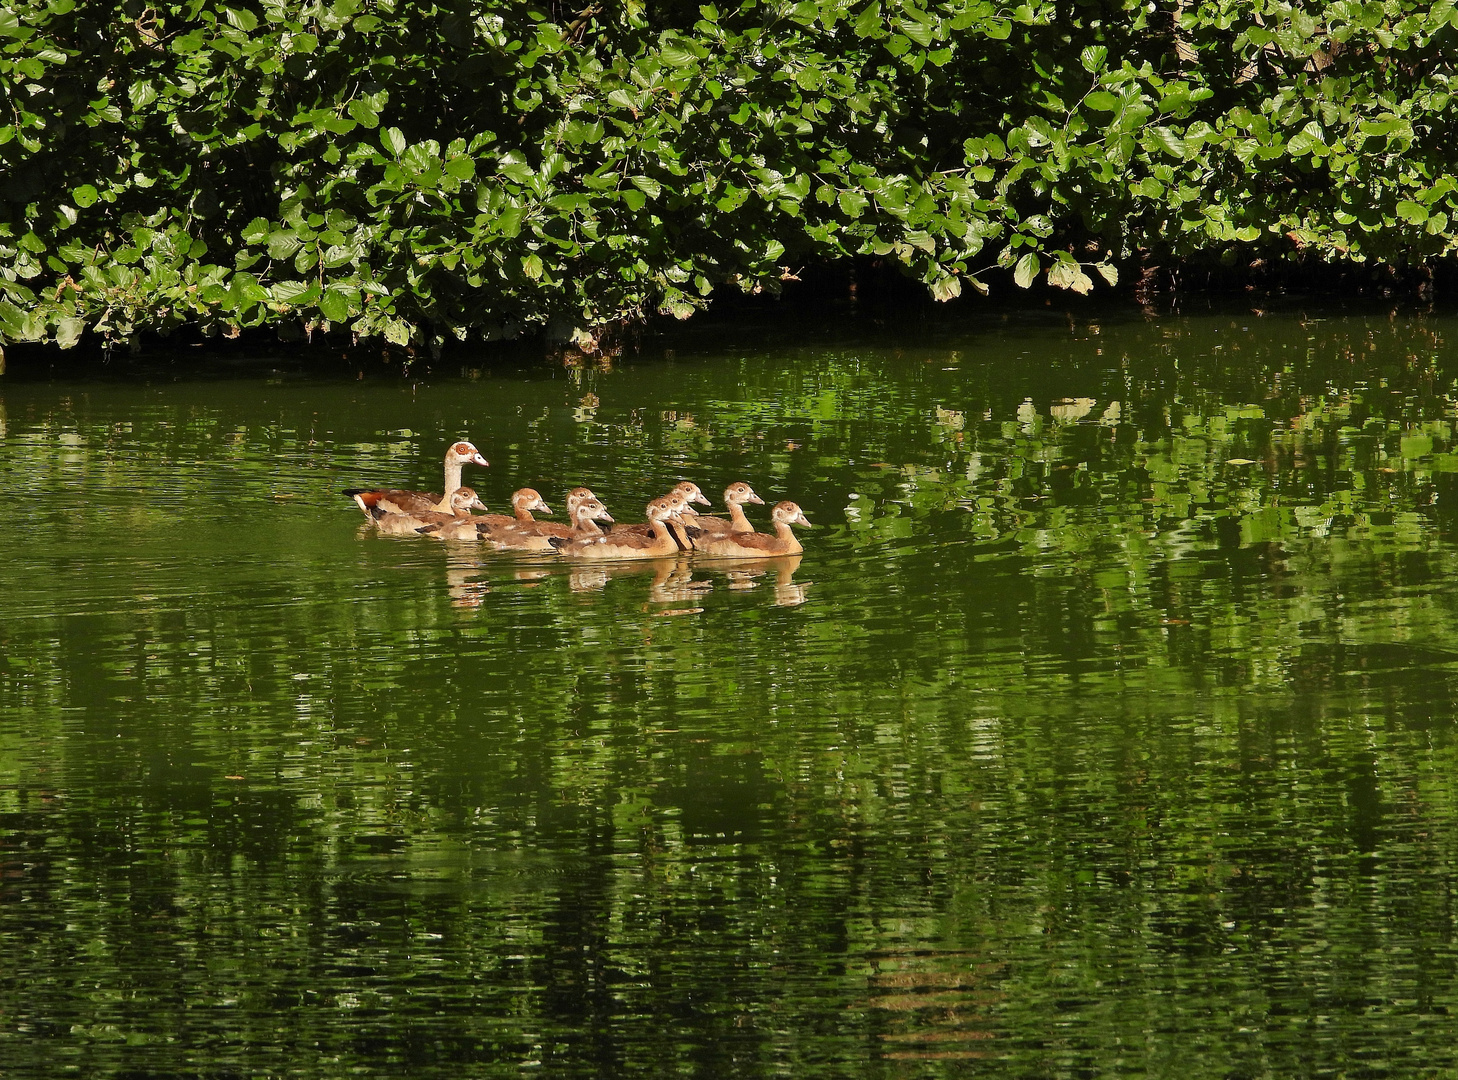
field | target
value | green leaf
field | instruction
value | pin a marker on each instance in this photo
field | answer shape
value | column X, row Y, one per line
column 363, row 114
column 513, row 166
column 186, row 44
column 242, row 18
column 1414, row 213
column 141, row 94
column 283, row 244
column 917, row 31
column 508, row 222
column 256, row 231
column 84, row 196
column 869, row 23
column 647, row 185
column 294, row 293
column 1065, row 273
column 1168, row 141
column 393, row 140
column 245, row 289
column 1026, row 270
column 68, row 331
column 946, row 288
column 1102, row 100
column 531, row 266
column 852, row 203
column 421, row 157
column 334, row 304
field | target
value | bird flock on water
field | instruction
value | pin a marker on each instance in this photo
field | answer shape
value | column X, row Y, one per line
column 672, row 524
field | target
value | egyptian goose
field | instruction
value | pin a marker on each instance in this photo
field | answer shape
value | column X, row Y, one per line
column 523, row 502
column 394, row 501
column 690, row 493
column 620, row 544
column 687, row 490
column 679, row 501
column 753, row 545
column 460, row 503
column 585, row 516
column 735, row 496
column 575, row 498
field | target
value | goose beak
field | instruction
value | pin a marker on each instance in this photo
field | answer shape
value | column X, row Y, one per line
column 700, row 499
column 541, row 507
column 605, row 516
column 476, row 504
column 689, row 510
column 802, row 520
column 479, row 460
column 753, row 498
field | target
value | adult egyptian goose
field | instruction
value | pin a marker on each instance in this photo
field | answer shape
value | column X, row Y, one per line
column 753, row 545
column 585, row 516
column 735, row 496
column 626, row 545
column 460, row 504
column 396, row 501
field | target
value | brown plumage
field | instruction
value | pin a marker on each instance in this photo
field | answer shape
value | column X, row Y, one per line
column 513, row 537
column 523, row 502
column 626, row 545
column 460, row 504
column 576, row 497
column 678, row 501
column 400, row 501
column 735, row 496
column 753, row 545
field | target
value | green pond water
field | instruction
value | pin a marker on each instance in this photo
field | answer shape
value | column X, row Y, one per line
column 1106, row 727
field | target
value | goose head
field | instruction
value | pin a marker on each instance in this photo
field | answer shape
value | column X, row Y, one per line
column 679, row 505
column 528, row 499
column 690, row 493
column 464, row 500
column 589, row 510
column 463, row 453
column 741, row 493
column 788, row 513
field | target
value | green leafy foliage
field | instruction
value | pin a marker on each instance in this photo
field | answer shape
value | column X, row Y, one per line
column 417, row 172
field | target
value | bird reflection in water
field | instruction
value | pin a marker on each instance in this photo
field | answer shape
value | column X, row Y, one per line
column 464, row 588
column 671, row 581
column 743, row 574
column 672, row 578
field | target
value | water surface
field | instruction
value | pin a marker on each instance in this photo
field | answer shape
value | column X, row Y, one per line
column 1105, row 727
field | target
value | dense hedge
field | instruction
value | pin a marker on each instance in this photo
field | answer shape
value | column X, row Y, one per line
column 413, row 171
